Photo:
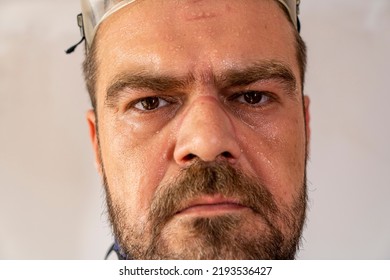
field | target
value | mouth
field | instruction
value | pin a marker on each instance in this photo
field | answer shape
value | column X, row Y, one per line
column 211, row 205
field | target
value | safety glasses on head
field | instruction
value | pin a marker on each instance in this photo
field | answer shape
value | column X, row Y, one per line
column 94, row 12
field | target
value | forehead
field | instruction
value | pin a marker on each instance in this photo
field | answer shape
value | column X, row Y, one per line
column 191, row 35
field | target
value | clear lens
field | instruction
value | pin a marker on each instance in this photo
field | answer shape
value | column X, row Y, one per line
column 95, row 11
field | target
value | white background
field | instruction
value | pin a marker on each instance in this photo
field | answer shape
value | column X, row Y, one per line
column 51, row 199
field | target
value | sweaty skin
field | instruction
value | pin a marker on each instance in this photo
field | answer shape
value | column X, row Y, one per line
column 223, row 83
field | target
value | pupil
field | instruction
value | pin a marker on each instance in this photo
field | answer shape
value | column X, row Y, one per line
column 253, row 97
column 150, row 103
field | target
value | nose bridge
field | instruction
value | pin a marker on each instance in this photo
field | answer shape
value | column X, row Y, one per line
column 208, row 110
column 206, row 132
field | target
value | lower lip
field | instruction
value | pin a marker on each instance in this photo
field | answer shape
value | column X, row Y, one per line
column 212, row 209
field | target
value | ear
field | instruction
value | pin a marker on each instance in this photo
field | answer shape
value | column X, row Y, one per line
column 93, row 134
column 306, row 104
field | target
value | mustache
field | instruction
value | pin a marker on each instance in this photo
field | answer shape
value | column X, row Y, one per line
column 203, row 178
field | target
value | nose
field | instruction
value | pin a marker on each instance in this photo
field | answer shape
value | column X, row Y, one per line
column 206, row 133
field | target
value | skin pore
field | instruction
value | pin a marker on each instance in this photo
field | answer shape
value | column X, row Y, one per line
column 201, row 136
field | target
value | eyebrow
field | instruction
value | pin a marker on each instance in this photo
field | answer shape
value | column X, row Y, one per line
column 141, row 80
column 261, row 71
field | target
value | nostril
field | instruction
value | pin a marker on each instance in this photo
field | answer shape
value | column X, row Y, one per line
column 189, row 157
column 226, row 155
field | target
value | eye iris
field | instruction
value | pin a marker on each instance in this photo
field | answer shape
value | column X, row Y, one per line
column 253, row 97
column 150, row 103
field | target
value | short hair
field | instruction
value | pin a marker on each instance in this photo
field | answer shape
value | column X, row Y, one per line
column 90, row 65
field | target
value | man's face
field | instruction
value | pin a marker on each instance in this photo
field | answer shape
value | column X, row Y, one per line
column 200, row 129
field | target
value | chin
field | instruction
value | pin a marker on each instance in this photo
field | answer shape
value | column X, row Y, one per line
column 217, row 238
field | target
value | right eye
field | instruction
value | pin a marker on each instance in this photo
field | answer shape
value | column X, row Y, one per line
column 150, row 103
column 255, row 98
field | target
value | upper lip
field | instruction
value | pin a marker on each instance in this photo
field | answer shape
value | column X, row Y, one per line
column 209, row 200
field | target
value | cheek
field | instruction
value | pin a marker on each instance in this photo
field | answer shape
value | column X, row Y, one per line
column 275, row 150
column 134, row 163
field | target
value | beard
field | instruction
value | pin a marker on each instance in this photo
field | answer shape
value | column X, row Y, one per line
column 264, row 230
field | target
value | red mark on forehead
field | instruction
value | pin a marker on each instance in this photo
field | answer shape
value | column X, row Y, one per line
column 200, row 15
column 200, row 9
column 228, row 7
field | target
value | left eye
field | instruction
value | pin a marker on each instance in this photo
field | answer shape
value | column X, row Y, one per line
column 253, row 97
column 150, row 103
